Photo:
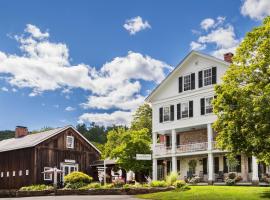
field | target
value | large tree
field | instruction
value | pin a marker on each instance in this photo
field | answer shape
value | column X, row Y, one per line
column 243, row 99
column 142, row 118
column 123, row 145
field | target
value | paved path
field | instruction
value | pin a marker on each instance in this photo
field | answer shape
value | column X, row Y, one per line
column 81, row 197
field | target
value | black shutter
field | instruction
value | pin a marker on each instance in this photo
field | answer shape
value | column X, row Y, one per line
column 190, row 108
column 204, row 165
column 168, row 141
column 177, row 139
column 214, row 75
column 200, row 79
column 160, row 115
column 172, row 112
column 193, row 81
column 178, row 165
column 180, row 89
column 202, row 106
column 169, row 166
column 249, row 164
column 178, row 111
column 216, row 164
column 238, row 168
column 225, row 166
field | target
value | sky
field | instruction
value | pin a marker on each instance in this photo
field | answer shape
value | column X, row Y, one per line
column 69, row 62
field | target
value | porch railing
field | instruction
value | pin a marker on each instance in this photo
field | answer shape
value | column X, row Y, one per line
column 162, row 149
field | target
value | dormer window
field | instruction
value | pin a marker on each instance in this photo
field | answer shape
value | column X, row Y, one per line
column 70, row 142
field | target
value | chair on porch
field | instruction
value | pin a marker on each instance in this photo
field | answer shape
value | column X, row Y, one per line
column 220, row 176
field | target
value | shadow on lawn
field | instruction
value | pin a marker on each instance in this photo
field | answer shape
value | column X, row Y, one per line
column 265, row 194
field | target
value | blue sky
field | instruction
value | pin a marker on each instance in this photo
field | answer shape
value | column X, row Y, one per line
column 64, row 62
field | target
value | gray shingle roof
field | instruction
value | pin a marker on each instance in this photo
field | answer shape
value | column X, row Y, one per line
column 32, row 140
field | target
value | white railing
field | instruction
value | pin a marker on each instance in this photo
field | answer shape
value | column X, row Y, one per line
column 192, row 147
column 161, row 149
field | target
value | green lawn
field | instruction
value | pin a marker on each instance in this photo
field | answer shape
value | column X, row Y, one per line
column 213, row 193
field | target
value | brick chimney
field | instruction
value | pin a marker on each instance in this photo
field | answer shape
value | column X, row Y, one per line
column 228, row 57
column 21, row 131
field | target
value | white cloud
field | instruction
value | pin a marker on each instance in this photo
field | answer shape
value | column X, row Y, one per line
column 69, row 108
column 256, row 9
column 4, row 89
column 135, row 25
column 207, row 23
column 107, row 119
column 35, row 32
column 14, row 90
column 197, row 46
column 221, row 35
column 45, row 66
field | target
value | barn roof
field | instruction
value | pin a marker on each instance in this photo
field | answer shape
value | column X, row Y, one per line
column 32, row 140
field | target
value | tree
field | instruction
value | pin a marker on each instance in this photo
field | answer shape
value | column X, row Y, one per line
column 243, row 99
column 123, row 145
column 142, row 118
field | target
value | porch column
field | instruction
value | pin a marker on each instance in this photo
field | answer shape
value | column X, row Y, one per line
column 173, row 141
column 154, row 169
column 154, row 138
column 174, row 164
column 210, row 168
column 209, row 136
column 255, row 171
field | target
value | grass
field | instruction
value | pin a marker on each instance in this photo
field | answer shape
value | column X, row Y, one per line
column 212, row 193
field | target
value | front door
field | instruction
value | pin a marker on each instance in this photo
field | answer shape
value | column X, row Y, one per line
column 67, row 168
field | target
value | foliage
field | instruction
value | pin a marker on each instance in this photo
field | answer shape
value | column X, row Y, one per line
column 171, row 178
column 36, row 188
column 229, row 181
column 74, row 186
column 179, row 184
column 118, row 183
column 158, row 184
column 142, row 118
column 76, row 177
column 45, row 128
column 108, row 186
column 91, row 186
column 6, row 134
column 232, row 162
column 136, row 185
column 243, row 98
column 123, row 145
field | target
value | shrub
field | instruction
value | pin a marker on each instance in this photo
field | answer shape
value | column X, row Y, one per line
column 107, row 186
column 75, row 186
column 229, row 181
column 238, row 178
column 179, row 184
column 158, row 184
column 118, row 183
column 36, row 188
column 76, row 177
column 231, row 175
column 173, row 176
column 91, row 186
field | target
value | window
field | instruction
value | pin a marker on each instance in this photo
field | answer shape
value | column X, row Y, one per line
column 7, row 174
column 2, row 174
column 208, row 105
column 14, row 173
column 166, row 113
column 70, row 142
column 207, row 77
column 184, row 110
column 47, row 176
column 20, row 173
column 27, row 172
column 187, row 82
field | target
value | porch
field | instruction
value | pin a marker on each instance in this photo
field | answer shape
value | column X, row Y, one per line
column 198, row 166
